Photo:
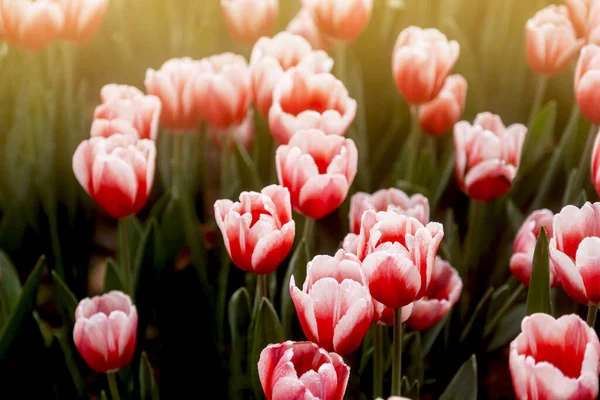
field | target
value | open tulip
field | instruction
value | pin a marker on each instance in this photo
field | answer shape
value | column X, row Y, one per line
column 117, row 172
column 341, row 20
column 302, row 370
column 575, row 251
column 421, row 62
column 587, row 83
column 31, row 24
column 555, row 359
column 271, row 57
column 83, row 18
column 223, row 90
column 439, row 115
column 442, row 293
column 304, row 100
column 258, row 231
column 392, row 199
column 487, row 156
column 122, row 102
column 524, row 246
column 175, row 85
column 318, row 170
column 247, row 20
column 304, row 25
column 105, row 331
column 334, row 306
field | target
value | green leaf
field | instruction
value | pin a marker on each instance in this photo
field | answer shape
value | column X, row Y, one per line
column 103, row 395
column 474, row 328
column 416, row 368
column 515, row 216
column 23, row 306
column 65, row 298
column 112, row 278
column 239, row 321
column 267, row 330
column 410, row 390
column 508, row 327
column 63, row 346
column 148, row 387
column 10, row 288
column 129, row 233
column 144, row 254
column 464, row 384
column 432, row 334
column 538, row 137
column 538, row 296
column 297, row 268
column 247, row 170
column 444, row 178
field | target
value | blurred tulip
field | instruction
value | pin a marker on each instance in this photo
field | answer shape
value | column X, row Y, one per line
column 398, row 254
column 439, row 115
column 223, row 90
column 302, row 370
column 272, row 57
column 247, row 20
column 303, row 100
column 487, row 156
column 334, row 306
column 243, row 133
column 304, row 25
column 441, row 295
column 342, row 20
column 421, row 61
column 551, row 41
column 83, row 18
column 122, row 102
column 117, row 172
column 580, row 13
column 258, row 231
column 106, row 128
column 524, row 246
column 175, row 85
column 31, row 24
column 596, row 164
column 318, row 170
column 350, row 243
column 105, row 331
column 392, row 199
column 575, row 251
column 587, row 83
column 555, row 359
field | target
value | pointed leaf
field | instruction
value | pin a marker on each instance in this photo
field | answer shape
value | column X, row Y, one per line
column 148, row 388
column 297, row 268
column 65, row 298
column 538, row 296
column 10, row 288
column 538, row 137
column 239, row 323
column 62, row 346
column 464, row 384
column 112, row 278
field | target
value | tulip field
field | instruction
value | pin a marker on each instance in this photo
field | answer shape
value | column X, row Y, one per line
column 300, row 199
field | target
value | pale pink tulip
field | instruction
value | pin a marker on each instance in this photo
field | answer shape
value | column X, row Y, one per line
column 342, row 20
column 242, row 133
column 31, row 24
column 247, row 20
column 304, row 25
column 83, row 18
column 587, row 83
column 109, row 127
column 580, row 13
column 439, row 115
column 595, row 164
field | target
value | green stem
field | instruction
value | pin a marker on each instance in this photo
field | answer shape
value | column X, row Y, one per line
column 397, row 354
column 378, row 362
column 591, row 316
column 307, row 235
column 340, row 62
column 112, row 385
column 509, row 302
column 540, row 92
column 125, row 256
column 262, row 286
column 176, row 165
column 413, row 143
column 225, row 170
column 584, row 162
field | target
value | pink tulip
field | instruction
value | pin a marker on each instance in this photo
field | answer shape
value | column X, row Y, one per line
column 242, row 133
column 223, row 90
column 318, row 170
column 587, row 83
column 117, row 172
column 334, row 306
column 392, row 199
column 385, row 315
column 439, row 115
column 258, row 231
column 551, row 41
column 579, row 12
column 108, row 127
column 31, row 25
column 304, row 25
column 105, row 331
column 175, row 85
column 487, row 156
column 596, row 164
column 122, row 102
column 421, row 61
column 398, row 254
column 341, row 20
column 302, row 370
column 441, row 295
column 575, row 251
column 303, row 100
column 272, row 57
column 83, row 18
column 248, row 20
column 555, row 359
column 524, row 247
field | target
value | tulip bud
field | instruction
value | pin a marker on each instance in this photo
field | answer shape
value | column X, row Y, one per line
column 83, row 18
column 440, row 114
column 247, row 20
column 341, row 20
column 31, row 25
column 587, row 83
column 304, row 25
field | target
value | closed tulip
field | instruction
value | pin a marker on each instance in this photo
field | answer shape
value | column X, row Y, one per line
column 344, row 21
column 271, row 57
column 302, row 370
column 248, row 20
column 318, row 170
column 595, row 164
column 392, row 199
column 334, row 306
column 421, row 62
column 83, row 18
column 524, row 246
column 105, row 331
column 242, row 133
column 31, row 25
column 587, row 83
column 258, row 231
column 117, row 172
column 304, row 100
column 439, row 115
column 108, row 127
column 575, row 251
column 555, row 359
column 580, row 13
column 487, row 156
column 304, row 25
